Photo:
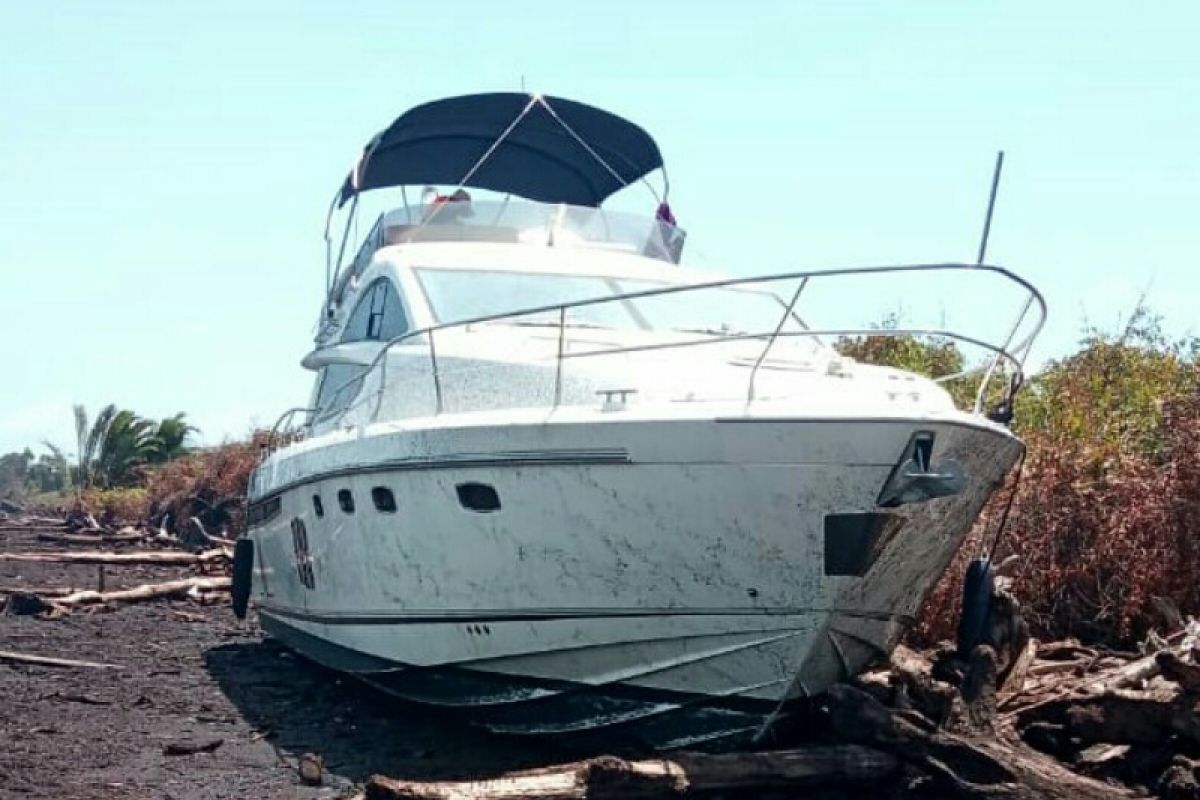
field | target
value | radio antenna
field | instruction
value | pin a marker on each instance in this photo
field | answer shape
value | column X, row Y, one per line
column 987, row 222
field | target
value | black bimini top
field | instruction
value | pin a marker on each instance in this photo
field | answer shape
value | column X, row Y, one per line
column 541, row 148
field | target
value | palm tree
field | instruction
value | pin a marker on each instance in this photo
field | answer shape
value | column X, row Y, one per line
column 118, row 441
column 170, row 439
column 81, row 436
column 89, row 440
column 127, row 442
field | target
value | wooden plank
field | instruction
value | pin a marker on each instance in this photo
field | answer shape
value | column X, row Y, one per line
column 49, row 661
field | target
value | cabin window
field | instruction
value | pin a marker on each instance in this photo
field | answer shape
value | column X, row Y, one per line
column 345, row 501
column 459, row 294
column 383, row 499
column 478, row 497
column 340, row 384
column 318, row 506
column 379, row 315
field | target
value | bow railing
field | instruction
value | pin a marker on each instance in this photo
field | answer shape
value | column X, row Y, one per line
column 539, row 379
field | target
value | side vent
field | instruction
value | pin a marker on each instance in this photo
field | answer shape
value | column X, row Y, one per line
column 263, row 512
column 318, row 506
column 854, row 541
column 479, row 497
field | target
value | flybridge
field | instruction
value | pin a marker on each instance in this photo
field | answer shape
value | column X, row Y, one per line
column 565, row 156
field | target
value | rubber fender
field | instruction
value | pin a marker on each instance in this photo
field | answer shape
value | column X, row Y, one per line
column 974, row 625
column 243, row 576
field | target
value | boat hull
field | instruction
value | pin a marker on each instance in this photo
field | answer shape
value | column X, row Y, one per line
column 676, row 581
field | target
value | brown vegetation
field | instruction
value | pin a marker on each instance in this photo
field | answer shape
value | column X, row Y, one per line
column 209, row 485
column 1107, row 513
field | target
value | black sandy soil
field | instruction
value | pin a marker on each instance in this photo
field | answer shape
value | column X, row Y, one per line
column 191, row 674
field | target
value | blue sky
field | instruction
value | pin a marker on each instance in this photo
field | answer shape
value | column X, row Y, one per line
column 165, row 167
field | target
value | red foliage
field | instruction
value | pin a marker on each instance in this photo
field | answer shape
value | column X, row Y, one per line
column 1096, row 540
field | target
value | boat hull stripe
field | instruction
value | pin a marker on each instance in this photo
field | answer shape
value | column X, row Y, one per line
column 543, row 615
column 461, row 461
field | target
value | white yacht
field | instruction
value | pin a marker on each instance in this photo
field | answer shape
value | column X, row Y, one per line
column 553, row 478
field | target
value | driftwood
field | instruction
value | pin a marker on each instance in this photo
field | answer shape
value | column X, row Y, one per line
column 43, row 591
column 48, row 661
column 32, row 528
column 97, row 557
column 1124, row 675
column 207, row 537
column 988, row 767
column 1129, row 719
column 1175, row 669
column 683, row 774
column 1019, row 670
column 91, row 538
column 311, row 768
column 147, row 591
column 188, row 748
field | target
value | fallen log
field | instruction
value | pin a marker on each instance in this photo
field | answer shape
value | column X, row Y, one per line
column 1129, row 719
column 91, row 539
column 1174, row 668
column 205, row 536
column 681, row 775
column 189, row 748
column 31, row 528
column 989, row 766
column 1059, row 667
column 97, row 557
column 146, row 591
column 1118, row 677
column 49, row 661
column 43, row 591
column 1021, row 667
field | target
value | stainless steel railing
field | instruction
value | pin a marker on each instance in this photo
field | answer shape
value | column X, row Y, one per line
column 1011, row 352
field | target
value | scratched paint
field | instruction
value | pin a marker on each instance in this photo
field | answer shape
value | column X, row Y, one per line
column 695, row 567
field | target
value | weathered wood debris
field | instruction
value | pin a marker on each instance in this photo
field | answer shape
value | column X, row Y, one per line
column 1016, row 719
column 77, row 540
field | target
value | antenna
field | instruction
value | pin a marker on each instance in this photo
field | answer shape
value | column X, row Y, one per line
column 987, row 222
column 522, row 84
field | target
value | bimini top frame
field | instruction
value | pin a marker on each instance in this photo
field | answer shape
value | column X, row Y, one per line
column 545, row 149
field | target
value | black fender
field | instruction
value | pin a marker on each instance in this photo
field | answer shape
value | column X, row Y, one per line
column 243, row 575
column 974, row 625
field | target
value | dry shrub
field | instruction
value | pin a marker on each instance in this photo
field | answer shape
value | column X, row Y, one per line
column 125, row 504
column 209, row 485
column 1108, row 511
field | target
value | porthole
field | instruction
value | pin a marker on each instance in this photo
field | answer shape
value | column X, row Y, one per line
column 478, row 497
column 318, row 506
column 346, row 501
column 383, row 499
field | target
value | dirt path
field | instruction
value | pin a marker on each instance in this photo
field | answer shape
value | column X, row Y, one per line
column 192, row 674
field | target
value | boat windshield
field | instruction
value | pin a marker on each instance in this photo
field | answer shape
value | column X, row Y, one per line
column 457, row 295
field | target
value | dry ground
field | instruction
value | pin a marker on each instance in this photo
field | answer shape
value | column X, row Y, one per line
column 192, row 674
